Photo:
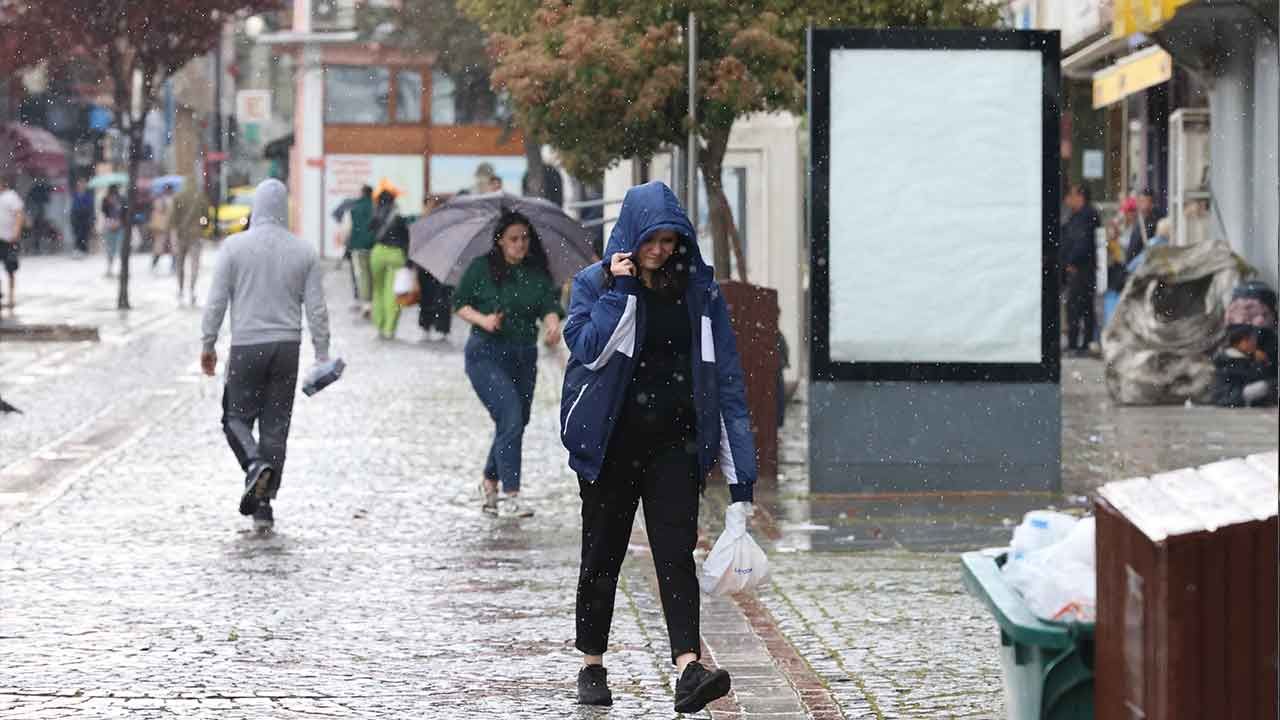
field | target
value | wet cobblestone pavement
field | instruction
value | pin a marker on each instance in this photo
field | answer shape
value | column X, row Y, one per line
column 129, row 586
column 384, row 592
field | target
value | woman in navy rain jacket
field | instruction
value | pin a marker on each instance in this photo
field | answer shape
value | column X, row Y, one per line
column 653, row 401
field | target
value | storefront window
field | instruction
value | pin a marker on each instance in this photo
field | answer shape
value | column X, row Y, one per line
column 357, row 95
column 467, row 100
column 408, row 96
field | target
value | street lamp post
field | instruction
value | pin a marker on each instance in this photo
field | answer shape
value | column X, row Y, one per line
column 692, row 173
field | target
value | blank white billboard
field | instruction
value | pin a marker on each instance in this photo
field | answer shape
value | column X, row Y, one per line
column 936, row 187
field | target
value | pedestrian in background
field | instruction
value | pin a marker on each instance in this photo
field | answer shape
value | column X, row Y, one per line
column 1118, row 232
column 434, row 313
column 1144, row 225
column 654, row 398
column 360, row 244
column 112, row 224
column 389, row 254
column 504, row 294
column 13, row 216
column 82, row 216
column 161, row 225
column 191, row 217
column 1079, row 259
column 268, row 276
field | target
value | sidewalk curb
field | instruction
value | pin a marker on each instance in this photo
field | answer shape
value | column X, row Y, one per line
column 49, row 332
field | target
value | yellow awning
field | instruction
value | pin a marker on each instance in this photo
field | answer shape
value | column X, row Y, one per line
column 1142, row 16
column 1139, row 71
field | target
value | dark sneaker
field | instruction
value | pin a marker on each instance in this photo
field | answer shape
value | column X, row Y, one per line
column 593, row 686
column 699, row 686
column 264, row 519
column 258, row 485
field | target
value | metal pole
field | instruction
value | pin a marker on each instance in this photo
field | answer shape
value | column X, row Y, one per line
column 692, row 178
column 217, row 125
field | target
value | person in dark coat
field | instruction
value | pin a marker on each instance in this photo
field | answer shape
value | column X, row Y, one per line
column 1244, row 376
column 82, row 216
column 435, row 312
column 654, row 398
column 1079, row 260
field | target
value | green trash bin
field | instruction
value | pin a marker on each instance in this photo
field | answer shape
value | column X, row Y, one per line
column 1048, row 667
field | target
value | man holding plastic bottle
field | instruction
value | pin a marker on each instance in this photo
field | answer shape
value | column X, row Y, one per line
column 268, row 276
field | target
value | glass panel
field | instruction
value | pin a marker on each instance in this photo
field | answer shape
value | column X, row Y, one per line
column 443, row 111
column 356, row 95
column 408, row 96
column 466, row 100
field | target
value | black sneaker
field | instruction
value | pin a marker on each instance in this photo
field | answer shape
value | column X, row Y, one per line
column 593, row 686
column 264, row 519
column 258, row 486
column 699, row 686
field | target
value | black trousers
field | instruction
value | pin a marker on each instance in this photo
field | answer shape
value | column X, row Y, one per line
column 1080, row 309
column 665, row 479
column 261, row 381
column 434, row 311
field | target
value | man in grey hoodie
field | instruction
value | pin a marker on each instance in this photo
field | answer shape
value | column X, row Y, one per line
column 267, row 275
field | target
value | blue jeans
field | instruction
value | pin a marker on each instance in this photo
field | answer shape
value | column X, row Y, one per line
column 503, row 375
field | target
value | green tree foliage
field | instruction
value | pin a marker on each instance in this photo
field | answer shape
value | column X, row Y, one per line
column 604, row 80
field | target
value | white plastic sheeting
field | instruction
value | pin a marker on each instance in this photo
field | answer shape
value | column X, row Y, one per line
column 935, row 206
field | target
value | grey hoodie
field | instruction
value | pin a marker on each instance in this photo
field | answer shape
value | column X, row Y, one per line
column 267, row 274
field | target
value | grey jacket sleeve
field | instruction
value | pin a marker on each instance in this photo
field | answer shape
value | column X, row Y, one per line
column 317, row 311
column 219, row 295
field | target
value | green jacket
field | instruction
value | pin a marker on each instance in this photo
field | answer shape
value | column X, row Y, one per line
column 361, row 235
column 525, row 297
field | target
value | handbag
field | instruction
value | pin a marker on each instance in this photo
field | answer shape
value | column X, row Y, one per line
column 405, row 287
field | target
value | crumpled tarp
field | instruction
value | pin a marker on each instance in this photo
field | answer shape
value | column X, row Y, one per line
column 1160, row 342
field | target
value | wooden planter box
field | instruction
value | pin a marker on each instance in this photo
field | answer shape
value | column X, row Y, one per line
column 1187, row 613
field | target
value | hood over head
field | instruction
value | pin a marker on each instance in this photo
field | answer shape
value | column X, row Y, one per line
column 270, row 204
column 647, row 209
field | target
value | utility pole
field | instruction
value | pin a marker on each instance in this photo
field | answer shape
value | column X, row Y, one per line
column 692, row 178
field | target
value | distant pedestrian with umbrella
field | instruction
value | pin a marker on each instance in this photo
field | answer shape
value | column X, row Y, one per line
column 504, row 294
column 389, row 254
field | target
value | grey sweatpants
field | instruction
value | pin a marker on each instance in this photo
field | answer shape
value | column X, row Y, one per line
column 261, row 381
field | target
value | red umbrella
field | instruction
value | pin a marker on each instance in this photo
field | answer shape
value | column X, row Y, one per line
column 35, row 150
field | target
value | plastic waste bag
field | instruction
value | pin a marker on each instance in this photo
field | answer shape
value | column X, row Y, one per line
column 322, row 376
column 1040, row 529
column 1058, row 581
column 736, row 563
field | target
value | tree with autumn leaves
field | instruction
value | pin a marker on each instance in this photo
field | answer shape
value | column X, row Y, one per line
column 604, row 80
column 139, row 43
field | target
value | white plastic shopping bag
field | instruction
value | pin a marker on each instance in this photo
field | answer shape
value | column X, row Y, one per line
column 403, row 283
column 736, row 563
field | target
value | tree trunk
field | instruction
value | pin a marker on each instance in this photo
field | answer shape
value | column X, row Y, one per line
column 534, row 172
column 724, row 235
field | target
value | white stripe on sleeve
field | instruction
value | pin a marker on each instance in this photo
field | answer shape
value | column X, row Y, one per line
column 727, row 466
column 623, row 338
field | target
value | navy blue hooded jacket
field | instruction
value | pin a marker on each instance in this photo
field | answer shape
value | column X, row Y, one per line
column 605, row 328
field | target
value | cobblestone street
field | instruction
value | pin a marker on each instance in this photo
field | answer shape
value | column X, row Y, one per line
column 131, row 587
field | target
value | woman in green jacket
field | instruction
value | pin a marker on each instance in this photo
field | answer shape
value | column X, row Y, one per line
column 504, row 294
